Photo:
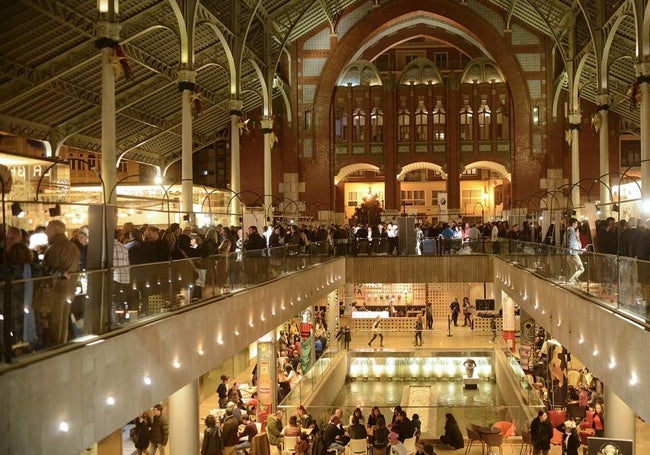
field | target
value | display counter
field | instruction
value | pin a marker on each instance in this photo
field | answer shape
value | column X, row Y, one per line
column 369, row 314
column 388, row 324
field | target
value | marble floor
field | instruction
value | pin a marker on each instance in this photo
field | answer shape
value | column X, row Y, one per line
column 462, row 338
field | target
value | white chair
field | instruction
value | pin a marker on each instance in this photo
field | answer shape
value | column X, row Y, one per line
column 409, row 443
column 289, row 444
column 358, row 447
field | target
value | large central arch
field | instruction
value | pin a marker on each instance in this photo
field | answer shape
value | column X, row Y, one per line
column 372, row 28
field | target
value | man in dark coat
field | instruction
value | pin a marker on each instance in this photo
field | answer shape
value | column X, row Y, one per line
column 541, row 432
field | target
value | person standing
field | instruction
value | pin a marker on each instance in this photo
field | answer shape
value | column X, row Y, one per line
column 159, row 431
column 467, row 312
column 142, row 428
column 428, row 310
column 598, row 421
column 575, row 248
column 222, row 391
column 212, row 440
column 570, row 440
column 61, row 256
column 541, row 432
column 392, row 231
column 418, row 330
column 347, row 337
column 455, row 311
column 493, row 328
column 376, row 332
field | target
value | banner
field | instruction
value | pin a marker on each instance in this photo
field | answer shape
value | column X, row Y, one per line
column 442, row 204
column 264, row 389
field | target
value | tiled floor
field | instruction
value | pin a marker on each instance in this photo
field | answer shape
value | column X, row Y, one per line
column 462, row 338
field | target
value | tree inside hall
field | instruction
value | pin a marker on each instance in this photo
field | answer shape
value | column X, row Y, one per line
column 370, row 210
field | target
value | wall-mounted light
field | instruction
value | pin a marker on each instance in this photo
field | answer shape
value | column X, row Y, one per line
column 536, row 116
column 63, row 426
column 146, row 380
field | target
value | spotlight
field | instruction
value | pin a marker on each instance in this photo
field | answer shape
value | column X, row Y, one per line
column 615, row 208
column 598, row 211
column 16, row 210
column 55, row 211
column 186, row 217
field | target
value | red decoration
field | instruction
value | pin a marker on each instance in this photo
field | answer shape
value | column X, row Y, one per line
column 128, row 71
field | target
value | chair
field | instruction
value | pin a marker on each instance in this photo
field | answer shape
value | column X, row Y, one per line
column 472, row 435
column 557, row 438
column 507, row 428
column 493, row 440
column 409, row 443
column 358, row 447
column 556, row 417
column 526, row 441
column 289, row 444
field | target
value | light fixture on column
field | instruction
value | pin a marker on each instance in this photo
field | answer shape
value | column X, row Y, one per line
column 55, row 211
column 16, row 210
column 536, row 116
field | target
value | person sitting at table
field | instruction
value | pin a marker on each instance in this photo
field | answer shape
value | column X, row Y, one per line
column 357, row 430
column 304, row 419
column 396, row 446
column 417, row 424
column 452, row 437
column 405, row 428
column 333, row 436
column 247, row 431
column 380, row 434
column 359, row 415
column 419, row 448
column 374, row 416
column 292, row 428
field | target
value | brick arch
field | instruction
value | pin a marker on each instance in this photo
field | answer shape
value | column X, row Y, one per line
column 525, row 171
column 499, row 168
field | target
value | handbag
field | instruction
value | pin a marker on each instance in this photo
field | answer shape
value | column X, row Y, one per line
column 44, row 299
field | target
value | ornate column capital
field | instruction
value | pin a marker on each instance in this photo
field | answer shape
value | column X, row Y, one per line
column 642, row 71
column 574, row 121
column 186, row 80
column 235, row 106
column 267, row 125
column 602, row 99
column 107, row 34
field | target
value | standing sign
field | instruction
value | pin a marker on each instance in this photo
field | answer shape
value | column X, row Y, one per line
column 264, row 389
column 607, row 446
column 442, row 204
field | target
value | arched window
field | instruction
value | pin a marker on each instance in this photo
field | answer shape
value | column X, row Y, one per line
column 377, row 124
column 502, row 130
column 359, row 132
column 439, row 122
column 340, row 123
column 404, row 122
column 72, row 161
column 421, row 122
column 466, row 130
column 484, row 122
column 92, row 161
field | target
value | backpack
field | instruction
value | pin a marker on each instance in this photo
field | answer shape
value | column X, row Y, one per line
column 318, row 445
column 216, row 445
column 133, row 434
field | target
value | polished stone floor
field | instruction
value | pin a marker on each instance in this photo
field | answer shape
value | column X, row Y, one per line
column 448, row 393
